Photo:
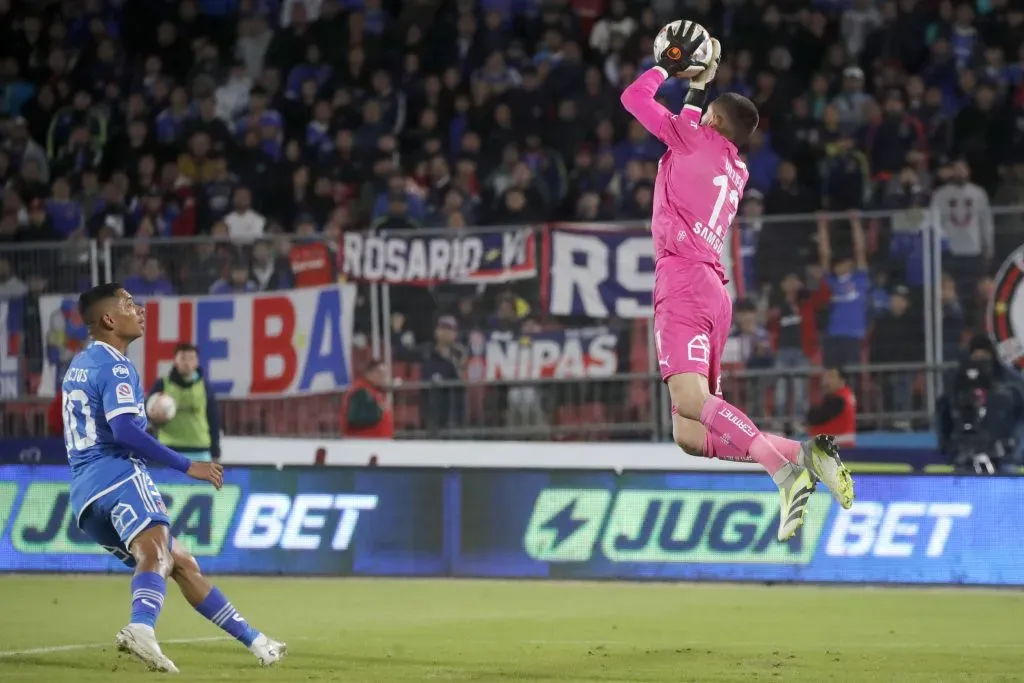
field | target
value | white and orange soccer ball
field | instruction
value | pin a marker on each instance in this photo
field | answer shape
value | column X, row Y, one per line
column 161, row 408
column 701, row 54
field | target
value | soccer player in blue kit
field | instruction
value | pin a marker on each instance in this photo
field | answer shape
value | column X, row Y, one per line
column 112, row 495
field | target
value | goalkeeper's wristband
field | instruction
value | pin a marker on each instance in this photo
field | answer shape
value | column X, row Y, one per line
column 695, row 97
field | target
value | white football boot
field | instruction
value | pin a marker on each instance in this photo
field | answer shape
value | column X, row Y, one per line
column 268, row 651
column 140, row 640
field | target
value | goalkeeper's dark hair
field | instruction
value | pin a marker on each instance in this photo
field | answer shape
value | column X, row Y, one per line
column 740, row 115
column 89, row 300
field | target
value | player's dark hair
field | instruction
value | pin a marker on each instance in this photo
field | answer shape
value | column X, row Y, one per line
column 185, row 347
column 88, row 300
column 740, row 116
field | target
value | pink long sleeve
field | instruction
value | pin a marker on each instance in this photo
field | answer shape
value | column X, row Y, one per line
column 638, row 99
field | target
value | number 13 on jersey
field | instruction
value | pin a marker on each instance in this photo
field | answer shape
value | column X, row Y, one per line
column 725, row 192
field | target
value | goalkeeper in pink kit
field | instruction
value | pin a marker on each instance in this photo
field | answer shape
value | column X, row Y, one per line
column 698, row 190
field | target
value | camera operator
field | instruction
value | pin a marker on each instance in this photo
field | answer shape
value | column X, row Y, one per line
column 977, row 420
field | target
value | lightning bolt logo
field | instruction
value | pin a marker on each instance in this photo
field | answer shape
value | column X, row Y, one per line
column 564, row 523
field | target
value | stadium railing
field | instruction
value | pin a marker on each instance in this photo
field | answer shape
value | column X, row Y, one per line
column 580, row 393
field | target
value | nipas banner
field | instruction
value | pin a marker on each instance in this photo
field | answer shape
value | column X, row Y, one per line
column 250, row 345
column 461, row 257
column 582, row 352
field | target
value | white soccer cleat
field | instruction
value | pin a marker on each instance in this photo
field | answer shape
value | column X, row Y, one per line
column 268, row 651
column 140, row 640
column 795, row 488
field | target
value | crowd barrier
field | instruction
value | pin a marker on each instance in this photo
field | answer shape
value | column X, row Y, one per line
column 544, row 524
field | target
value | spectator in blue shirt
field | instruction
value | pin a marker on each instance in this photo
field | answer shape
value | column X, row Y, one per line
column 64, row 212
column 848, row 284
column 237, row 281
column 151, row 282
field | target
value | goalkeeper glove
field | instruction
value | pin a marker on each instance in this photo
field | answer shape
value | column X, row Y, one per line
column 682, row 42
column 701, row 80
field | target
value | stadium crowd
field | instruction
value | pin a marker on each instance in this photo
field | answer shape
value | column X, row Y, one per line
column 277, row 125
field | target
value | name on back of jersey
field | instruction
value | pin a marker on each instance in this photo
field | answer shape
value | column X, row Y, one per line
column 76, row 375
column 712, row 236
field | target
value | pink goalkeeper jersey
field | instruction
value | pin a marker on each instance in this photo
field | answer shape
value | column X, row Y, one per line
column 700, row 178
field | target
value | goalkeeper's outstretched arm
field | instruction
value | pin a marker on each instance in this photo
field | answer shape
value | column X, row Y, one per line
column 678, row 132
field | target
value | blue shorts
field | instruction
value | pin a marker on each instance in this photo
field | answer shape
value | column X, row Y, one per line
column 114, row 519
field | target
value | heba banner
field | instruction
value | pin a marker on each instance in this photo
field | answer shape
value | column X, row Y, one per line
column 600, row 271
column 498, row 256
column 250, row 345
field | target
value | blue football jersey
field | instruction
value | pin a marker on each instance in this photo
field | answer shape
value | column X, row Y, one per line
column 99, row 385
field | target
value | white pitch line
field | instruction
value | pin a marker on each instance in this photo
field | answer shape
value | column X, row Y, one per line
column 94, row 646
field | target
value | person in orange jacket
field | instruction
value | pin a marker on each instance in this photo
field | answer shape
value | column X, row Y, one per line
column 836, row 414
column 365, row 410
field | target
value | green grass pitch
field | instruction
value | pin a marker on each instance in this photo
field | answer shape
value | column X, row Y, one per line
column 393, row 630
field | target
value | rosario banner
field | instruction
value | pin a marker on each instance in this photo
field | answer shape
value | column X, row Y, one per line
column 601, row 271
column 498, row 256
column 250, row 345
column 587, row 352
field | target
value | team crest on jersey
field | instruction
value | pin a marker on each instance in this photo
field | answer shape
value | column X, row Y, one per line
column 1006, row 312
column 121, row 371
column 125, row 393
column 699, row 349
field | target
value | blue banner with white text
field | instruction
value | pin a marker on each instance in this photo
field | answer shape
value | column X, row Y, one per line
column 601, row 271
column 544, row 524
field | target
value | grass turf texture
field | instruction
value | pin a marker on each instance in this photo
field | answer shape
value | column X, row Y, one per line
column 418, row 630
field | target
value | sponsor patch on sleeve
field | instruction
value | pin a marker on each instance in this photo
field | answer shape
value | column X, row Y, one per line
column 125, row 394
column 121, row 371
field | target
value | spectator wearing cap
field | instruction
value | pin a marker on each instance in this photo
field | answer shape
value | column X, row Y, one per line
column 238, row 281
column 443, row 361
column 244, row 223
column 151, row 282
column 366, row 411
column 898, row 338
column 215, row 196
column 852, row 102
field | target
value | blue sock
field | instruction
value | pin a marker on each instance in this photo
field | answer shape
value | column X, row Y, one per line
column 148, row 590
column 217, row 609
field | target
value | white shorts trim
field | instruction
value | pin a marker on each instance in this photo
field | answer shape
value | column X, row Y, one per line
column 99, row 495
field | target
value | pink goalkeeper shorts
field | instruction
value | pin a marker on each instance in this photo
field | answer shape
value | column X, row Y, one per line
column 692, row 318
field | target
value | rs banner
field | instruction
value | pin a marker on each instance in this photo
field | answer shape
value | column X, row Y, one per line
column 498, row 256
column 250, row 345
column 600, row 271
column 586, row 352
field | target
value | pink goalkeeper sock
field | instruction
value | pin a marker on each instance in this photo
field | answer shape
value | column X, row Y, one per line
column 716, row 448
column 730, row 425
column 790, row 449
